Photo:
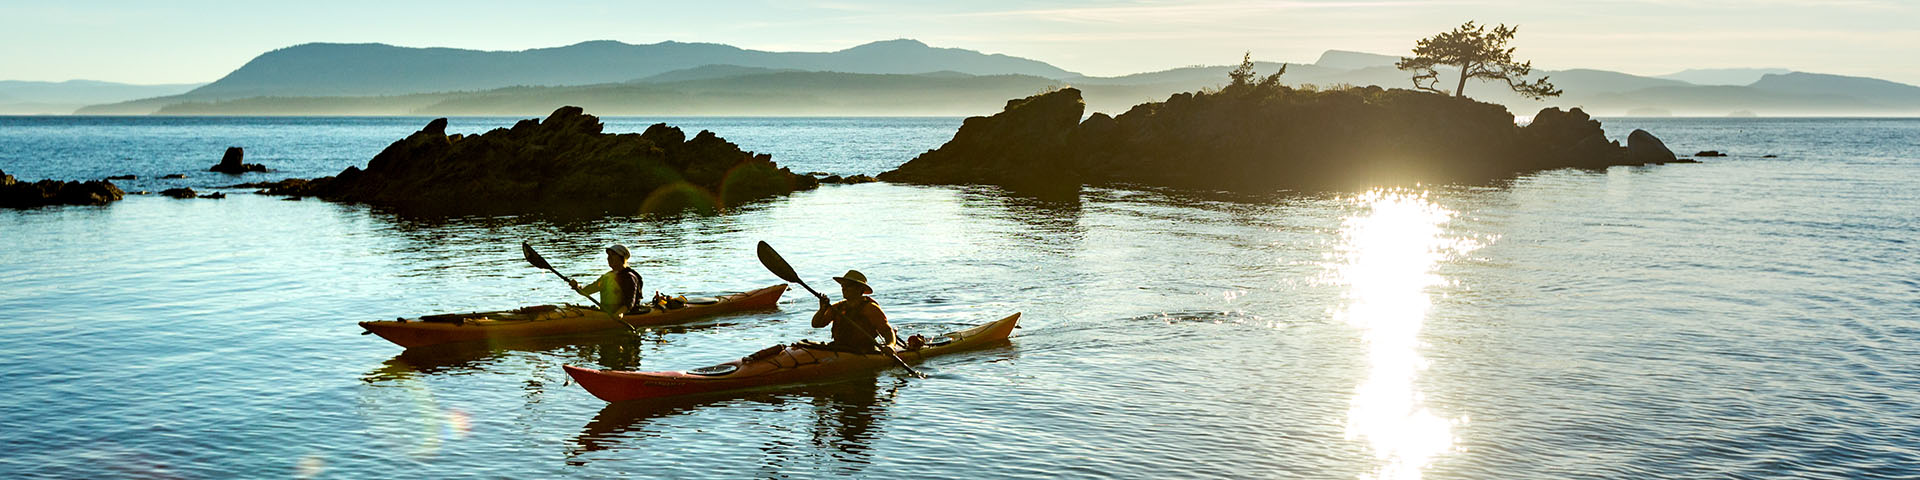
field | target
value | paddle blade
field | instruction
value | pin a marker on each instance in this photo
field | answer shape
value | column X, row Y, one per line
column 534, row 257
column 777, row 265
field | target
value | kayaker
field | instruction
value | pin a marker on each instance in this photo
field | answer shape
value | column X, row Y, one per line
column 619, row 288
column 857, row 319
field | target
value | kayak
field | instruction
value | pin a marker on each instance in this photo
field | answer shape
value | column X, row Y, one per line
column 780, row 365
column 549, row 320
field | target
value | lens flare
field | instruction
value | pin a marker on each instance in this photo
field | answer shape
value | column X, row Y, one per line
column 310, row 466
column 1386, row 260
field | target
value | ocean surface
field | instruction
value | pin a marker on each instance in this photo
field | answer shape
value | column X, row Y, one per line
column 1752, row 316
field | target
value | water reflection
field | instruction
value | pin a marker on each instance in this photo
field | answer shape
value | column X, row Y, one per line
column 1386, row 261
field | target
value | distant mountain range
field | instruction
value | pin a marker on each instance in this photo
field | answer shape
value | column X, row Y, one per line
column 60, row 98
column 896, row 77
column 1723, row 76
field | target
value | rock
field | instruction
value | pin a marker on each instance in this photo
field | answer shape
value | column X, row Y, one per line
column 1262, row 139
column 215, row 195
column 818, row 174
column 172, row 176
column 1574, row 139
column 1644, row 148
column 1022, row 146
column 122, row 177
column 180, row 192
column 1710, row 153
column 1769, row 156
column 230, row 162
column 17, row 194
column 561, row 163
column 850, row 179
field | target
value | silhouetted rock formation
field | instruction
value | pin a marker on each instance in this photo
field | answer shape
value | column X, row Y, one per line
column 561, row 163
column 1710, row 153
column 1253, row 138
column 850, row 179
column 18, row 194
column 1644, row 148
column 230, row 163
column 182, row 192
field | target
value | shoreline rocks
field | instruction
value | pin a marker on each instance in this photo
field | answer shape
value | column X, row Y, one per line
column 230, row 163
column 1266, row 138
column 848, row 180
column 561, row 163
column 1643, row 147
column 17, row 194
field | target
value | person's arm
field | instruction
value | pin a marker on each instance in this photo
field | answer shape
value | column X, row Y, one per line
column 824, row 316
column 590, row 288
column 877, row 320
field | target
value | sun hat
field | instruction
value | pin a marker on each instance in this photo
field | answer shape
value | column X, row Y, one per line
column 621, row 250
column 855, row 278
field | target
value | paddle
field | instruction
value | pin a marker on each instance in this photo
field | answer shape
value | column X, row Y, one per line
column 540, row 262
column 782, row 269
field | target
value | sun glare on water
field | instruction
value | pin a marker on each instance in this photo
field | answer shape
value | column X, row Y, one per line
column 1389, row 250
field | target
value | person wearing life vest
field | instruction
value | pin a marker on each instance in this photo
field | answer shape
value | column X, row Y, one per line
column 857, row 319
column 619, row 288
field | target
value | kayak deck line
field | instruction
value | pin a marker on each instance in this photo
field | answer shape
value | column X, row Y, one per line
column 552, row 320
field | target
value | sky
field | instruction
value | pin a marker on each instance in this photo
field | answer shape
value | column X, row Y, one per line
column 195, row 41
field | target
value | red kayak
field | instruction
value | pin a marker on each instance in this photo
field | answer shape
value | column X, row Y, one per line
column 783, row 365
column 550, row 320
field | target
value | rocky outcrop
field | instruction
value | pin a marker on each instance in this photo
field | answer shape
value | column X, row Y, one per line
column 181, row 192
column 18, row 194
column 563, row 162
column 1710, row 153
column 230, row 163
column 1264, row 138
column 848, row 180
column 1021, row 147
column 1644, row 148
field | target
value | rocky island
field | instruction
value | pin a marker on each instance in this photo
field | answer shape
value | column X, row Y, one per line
column 19, row 194
column 230, row 163
column 1263, row 137
column 564, row 163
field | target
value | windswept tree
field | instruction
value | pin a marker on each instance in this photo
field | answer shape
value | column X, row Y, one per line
column 1244, row 75
column 1478, row 53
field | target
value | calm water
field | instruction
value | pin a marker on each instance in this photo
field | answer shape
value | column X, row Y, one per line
column 1747, row 317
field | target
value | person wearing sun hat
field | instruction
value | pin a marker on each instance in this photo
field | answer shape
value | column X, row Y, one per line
column 857, row 319
column 619, row 288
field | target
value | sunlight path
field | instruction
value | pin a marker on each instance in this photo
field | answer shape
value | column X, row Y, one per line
column 1388, row 253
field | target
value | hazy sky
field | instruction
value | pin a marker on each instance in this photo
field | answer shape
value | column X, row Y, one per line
column 199, row 41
